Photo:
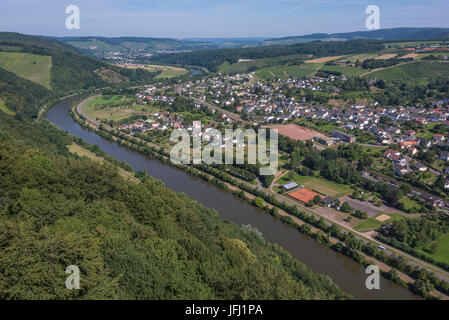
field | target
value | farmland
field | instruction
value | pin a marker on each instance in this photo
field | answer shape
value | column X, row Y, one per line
column 324, row 59
column 32, row 67
column 116, row 108
column 413, row 71
column 283, row 72
column 246, row 66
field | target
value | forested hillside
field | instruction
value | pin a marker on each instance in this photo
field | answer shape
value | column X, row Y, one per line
column 20, row 95
column 70, row 72
column 212, row 59
column 130, row 240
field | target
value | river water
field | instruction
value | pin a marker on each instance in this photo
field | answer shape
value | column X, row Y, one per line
column 347, row 273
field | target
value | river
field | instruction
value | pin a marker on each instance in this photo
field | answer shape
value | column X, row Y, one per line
column 347, row 273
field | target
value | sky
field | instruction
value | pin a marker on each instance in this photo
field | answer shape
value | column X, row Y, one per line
column 215, row 18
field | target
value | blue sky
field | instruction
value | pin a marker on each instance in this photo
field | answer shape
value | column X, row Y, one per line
column 215, row 18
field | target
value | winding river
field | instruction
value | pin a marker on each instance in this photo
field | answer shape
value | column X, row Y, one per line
column 348, row 274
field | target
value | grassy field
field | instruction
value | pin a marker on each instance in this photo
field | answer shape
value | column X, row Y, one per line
column 116, row 108
column 324, row 59
column 33, row 67
column 5, row 109
column 246, row 66
column 361, row 57
column 105, row 100
column 442, row 250
column 413, row 71
column 373, row 224
column 411, row 205
column 284, row 72
column 317, row 184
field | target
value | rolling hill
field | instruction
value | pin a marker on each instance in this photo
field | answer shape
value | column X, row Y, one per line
column 47, row 68
column 381, row 34
column 412, row 71
column 101, row 46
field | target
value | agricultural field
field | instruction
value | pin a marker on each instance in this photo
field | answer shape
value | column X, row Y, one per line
column 247, row 66
column 318, row 185
column 387, row 56
column 32, row 67
column 360, row 57
column 324, row 59
column 284, row 72
column 374, row 223
column 116, row 108
column 413, row 71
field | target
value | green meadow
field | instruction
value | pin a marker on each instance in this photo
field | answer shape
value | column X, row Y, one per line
column 413, row 71
column 32, row 67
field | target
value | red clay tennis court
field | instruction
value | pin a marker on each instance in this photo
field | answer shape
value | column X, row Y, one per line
column 304, row 195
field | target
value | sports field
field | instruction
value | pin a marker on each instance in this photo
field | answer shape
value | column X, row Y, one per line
column 32, row 67
column 304, row 195
column 296, row 132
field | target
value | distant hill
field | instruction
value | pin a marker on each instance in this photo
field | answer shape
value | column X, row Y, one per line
column 213, row 59
column 47, row 67
column 228, row 42
column 381, row 34
column 102, row 46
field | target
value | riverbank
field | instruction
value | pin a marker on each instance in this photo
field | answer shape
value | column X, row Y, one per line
column 286, row 216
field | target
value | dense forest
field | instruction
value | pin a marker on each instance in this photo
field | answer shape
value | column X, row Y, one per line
column 130, row 240
column 20, row 95
column 212, row 59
